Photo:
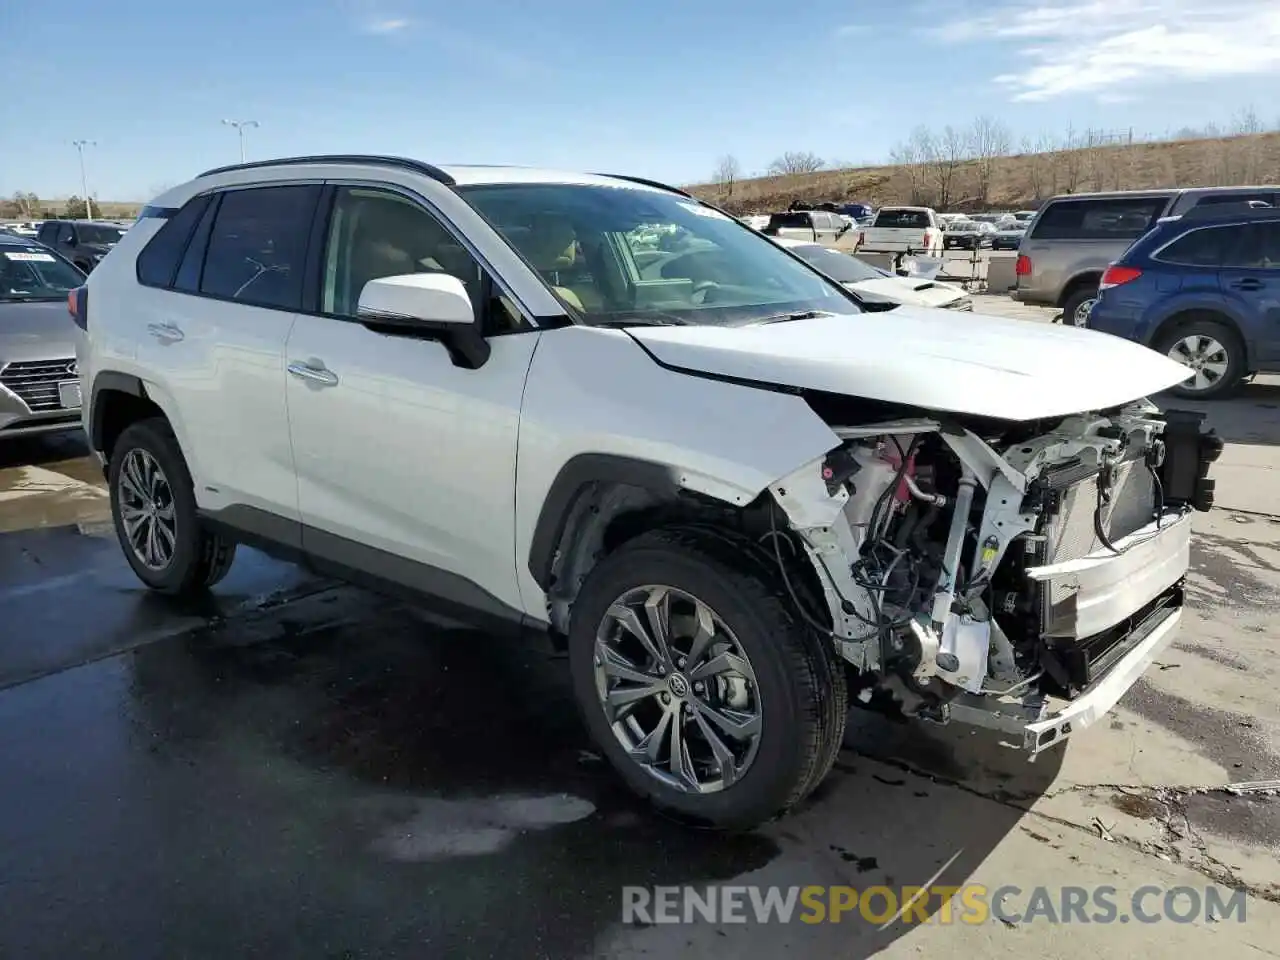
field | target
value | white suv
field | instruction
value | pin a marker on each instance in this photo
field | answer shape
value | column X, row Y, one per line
column 598, row 408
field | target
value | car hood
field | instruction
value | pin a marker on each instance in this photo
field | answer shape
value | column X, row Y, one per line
column 984, row 366
column 921, row 293
column 36, row 331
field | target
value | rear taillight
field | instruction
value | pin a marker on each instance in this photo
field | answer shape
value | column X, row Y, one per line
column 1023, row 265
column 1115, row 275
column 78, row 306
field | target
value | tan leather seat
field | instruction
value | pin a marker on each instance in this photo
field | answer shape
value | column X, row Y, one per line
column 551, row 246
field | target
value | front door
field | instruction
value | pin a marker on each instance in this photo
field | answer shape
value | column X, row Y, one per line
column 1252, row 281
column 405, row 462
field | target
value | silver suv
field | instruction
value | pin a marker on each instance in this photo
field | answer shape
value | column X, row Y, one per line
column 1073, row 238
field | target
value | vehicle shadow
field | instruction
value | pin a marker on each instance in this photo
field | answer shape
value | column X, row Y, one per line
column 43, row 449
column 1251, row 415
column 370, row 762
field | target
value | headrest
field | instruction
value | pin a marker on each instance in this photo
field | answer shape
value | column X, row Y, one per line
column 548, row 243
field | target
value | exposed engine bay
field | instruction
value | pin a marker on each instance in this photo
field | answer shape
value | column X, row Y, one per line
column 974, row 570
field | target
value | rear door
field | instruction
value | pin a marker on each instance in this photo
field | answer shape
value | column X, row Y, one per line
column 1251, row 280
column 213, row 345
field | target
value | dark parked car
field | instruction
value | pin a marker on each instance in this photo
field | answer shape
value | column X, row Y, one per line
column 1008, row 236
column 1204, row 289
column 83, row 242
column 968, row 235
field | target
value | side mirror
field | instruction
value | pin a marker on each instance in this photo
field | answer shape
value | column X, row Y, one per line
column 431, row 305
column 70, row 241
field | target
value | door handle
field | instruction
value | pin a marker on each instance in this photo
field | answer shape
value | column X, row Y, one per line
column 1249, row 283
column 316, row 375
column 165, row 331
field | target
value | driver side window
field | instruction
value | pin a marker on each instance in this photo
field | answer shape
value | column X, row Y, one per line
column 377, row 233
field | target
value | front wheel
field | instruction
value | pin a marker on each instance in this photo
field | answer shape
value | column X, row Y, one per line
column 700, row 685
column 153, row 507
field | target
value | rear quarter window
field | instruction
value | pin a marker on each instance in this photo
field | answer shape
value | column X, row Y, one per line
column 159, row 259
column 1121, row 218
column 1206, row 247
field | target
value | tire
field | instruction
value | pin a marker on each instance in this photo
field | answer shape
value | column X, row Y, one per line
column 799, row 696
column 1082, row 297
column 1217, row 340
column 196, row 559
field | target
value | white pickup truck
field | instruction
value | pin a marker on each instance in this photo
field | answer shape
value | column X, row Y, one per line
column 903, row 230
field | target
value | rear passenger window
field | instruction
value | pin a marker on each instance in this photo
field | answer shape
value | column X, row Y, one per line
column 159, row 259
column 1201, row 248
column 1119, row 218
column 1259, row 248
column 258, row 244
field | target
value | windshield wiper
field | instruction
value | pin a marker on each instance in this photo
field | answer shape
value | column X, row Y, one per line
column 798, row 315
column 666, row 320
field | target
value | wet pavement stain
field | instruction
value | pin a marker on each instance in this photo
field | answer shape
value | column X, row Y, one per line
column 433, row 776
column 1221, row 574
column 1142, row 808
column 861, row 864
column 1223, row 657
column 1229, row 739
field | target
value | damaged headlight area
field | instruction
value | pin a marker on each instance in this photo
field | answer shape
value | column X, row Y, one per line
column 977, row 571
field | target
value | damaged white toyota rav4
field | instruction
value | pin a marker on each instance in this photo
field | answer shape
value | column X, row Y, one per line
column 597, row 408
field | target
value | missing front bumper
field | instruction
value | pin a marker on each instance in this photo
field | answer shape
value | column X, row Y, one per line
column 1029, row 718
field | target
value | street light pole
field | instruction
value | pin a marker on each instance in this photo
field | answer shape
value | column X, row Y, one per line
column 84, row 179
column 239, row 127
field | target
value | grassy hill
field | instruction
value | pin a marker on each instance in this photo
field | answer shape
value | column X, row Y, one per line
column 1019, row 181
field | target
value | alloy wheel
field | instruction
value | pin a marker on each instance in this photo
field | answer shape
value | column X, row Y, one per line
column 147, row 510
column 1205, row 356
column 678, row 689
column 1081, row 317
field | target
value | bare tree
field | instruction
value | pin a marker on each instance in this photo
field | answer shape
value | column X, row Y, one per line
column 726, row 174
column 907, row 158
column 943, row 155
column 1071, row 161
column 796, row 161
column 1042, row 163
column 26, row 203
column 988, row 140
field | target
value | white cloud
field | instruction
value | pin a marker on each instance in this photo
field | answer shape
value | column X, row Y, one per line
column 1109, row 49
column 385, row 25
column 851, row 30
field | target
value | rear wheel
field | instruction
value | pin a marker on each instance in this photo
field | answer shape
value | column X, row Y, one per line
column 1075, row 312
column 1213, row 353
column 700, row 685
column 154, row 510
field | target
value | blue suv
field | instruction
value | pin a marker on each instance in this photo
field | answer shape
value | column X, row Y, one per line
column 1203, row 288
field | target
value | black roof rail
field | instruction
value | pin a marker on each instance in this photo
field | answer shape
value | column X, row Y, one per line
column 404, row 163
column 1217, row 211
column 646, row 183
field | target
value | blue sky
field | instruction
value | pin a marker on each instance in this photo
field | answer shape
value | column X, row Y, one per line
column 661, row 88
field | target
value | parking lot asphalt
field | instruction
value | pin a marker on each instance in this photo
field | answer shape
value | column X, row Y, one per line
column 297, row 768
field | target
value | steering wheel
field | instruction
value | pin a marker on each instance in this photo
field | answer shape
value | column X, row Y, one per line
column 702, row 289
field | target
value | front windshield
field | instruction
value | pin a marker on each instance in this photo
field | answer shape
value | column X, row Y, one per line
column 33, row 273
column 96, row 233
column 629, row 255
column 841, row 267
